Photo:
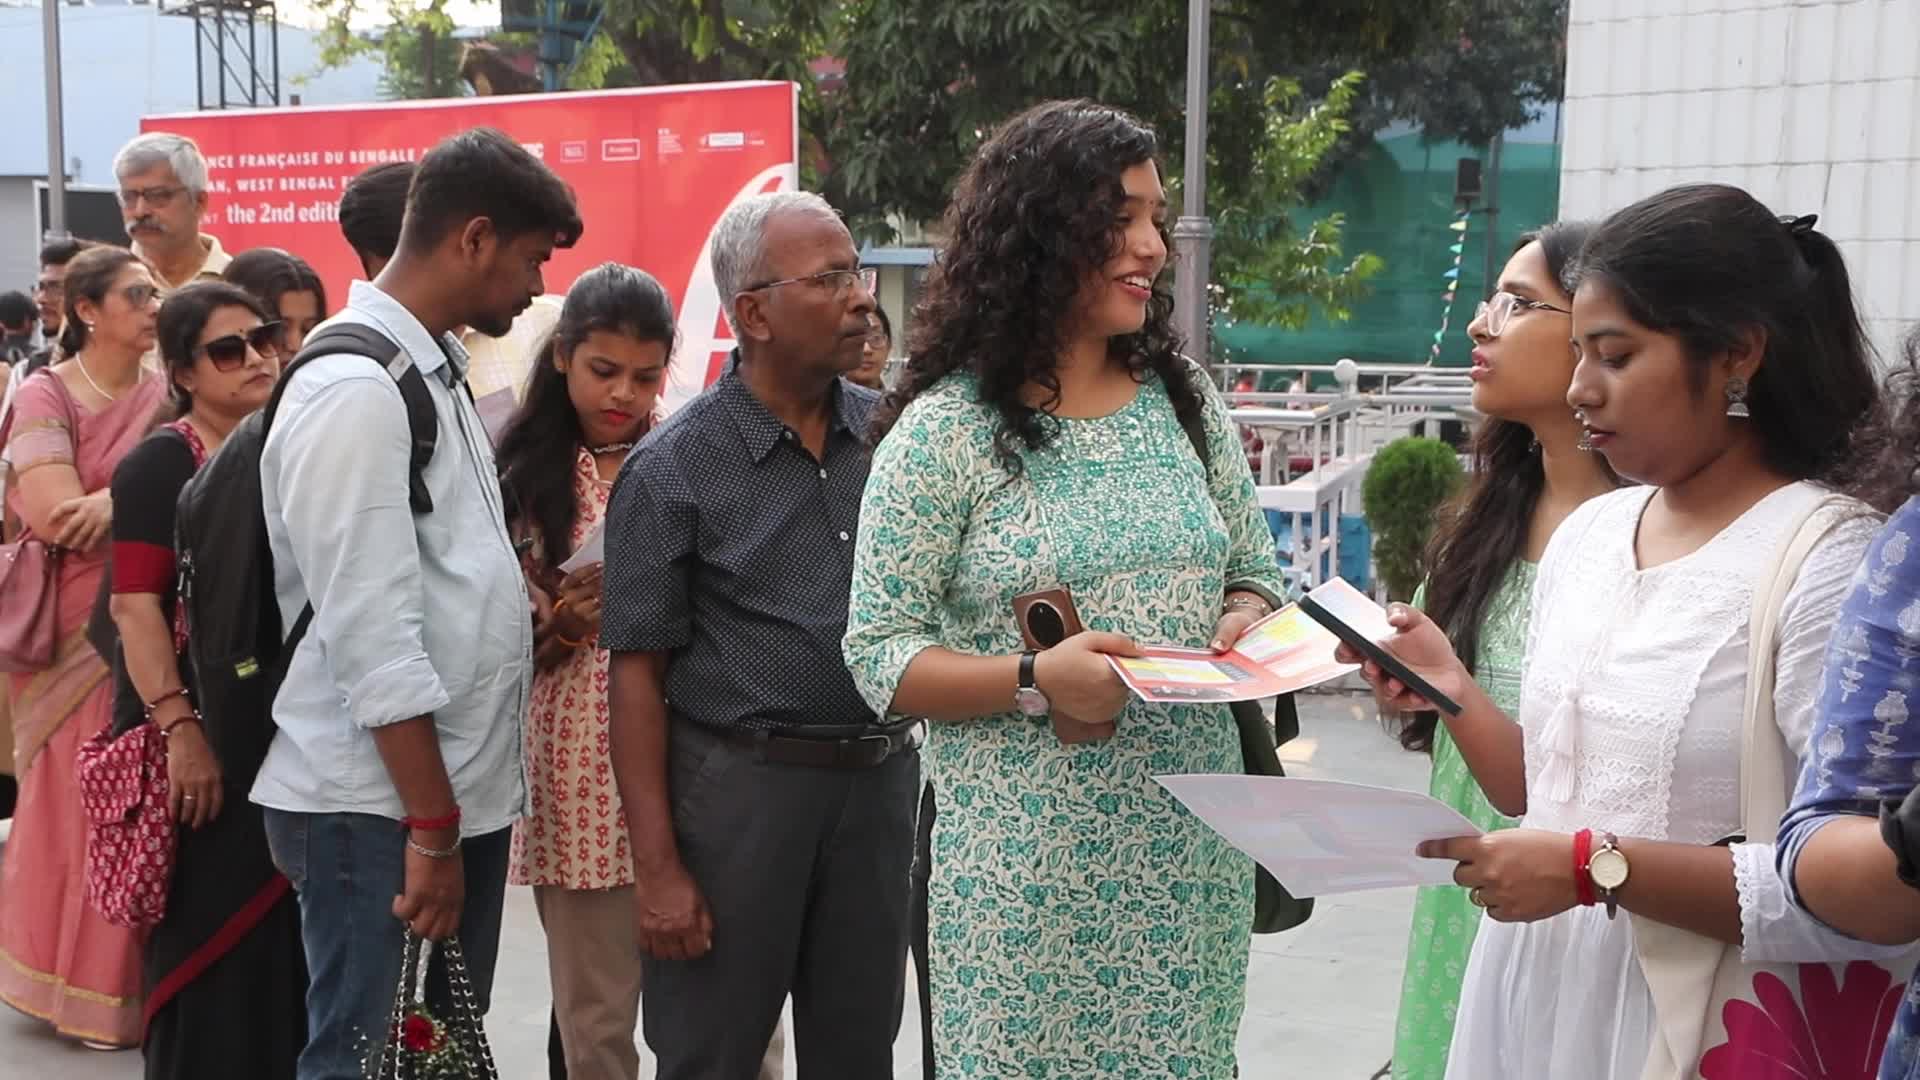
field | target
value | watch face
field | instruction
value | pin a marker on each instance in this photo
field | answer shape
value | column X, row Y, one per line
column 1608, row 869
column 1031, row 702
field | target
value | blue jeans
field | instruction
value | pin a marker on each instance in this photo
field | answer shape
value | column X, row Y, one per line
column 347, row 869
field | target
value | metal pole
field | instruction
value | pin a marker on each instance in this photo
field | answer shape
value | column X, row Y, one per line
column 56, row 137
column 1494, row 261
column 1193, row 233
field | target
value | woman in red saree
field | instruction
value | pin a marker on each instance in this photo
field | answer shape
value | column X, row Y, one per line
column 72, row 423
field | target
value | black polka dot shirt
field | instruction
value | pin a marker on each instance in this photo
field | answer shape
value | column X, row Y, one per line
column 730, row 548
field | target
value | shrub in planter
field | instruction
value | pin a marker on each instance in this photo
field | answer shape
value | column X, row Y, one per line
column 1404, row 488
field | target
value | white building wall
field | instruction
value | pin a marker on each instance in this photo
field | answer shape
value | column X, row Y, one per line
column 1811, row 105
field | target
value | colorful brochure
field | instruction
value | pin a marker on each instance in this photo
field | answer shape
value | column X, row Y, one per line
column 1284, row 652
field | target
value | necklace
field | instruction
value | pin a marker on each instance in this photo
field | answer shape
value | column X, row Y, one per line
column 610, row 448
column 82, row 365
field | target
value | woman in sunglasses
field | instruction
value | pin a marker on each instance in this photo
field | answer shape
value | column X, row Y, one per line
column 1048, row 435
column 71, row 425
column 225, row 977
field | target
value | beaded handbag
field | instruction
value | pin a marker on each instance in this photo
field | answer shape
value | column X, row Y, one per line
column 420, row 1043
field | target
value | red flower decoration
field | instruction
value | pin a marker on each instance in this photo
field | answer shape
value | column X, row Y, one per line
column 419, row 1035
column 1834, row 1032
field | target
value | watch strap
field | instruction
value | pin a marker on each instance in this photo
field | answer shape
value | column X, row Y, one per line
column 1583, row 868
column 1026, row 670
column 1611, row 897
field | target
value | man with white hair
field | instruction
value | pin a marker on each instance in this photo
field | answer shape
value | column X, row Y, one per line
column 771, row 812
column 163, row 196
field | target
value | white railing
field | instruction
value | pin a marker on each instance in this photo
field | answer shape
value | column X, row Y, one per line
column 1337, row 434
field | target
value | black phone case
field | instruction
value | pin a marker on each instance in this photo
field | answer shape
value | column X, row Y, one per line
column 1374, row 652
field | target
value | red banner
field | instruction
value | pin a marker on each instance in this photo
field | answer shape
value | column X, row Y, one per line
column 653, row 170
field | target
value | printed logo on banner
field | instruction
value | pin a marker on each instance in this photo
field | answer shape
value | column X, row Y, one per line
column 724, row 140
column 538, row 150
column 573, row 152
column 670, row 143
column 619, row 149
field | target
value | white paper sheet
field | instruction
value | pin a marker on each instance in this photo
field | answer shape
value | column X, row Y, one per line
column 593, row 550
column 495, row 410
column 1322, row 837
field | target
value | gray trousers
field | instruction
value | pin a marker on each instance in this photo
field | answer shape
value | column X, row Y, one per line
column 806, row 872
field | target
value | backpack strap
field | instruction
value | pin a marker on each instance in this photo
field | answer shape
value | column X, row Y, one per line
column 423, row 424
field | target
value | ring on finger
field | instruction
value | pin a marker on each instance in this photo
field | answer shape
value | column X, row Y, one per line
column 1474, row 897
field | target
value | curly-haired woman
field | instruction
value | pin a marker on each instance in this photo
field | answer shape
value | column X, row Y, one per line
column 1047, row 433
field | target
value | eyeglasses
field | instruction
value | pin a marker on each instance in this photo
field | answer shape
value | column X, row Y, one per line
column 230, row 352
column 156, row 197
column 1499, row 309
column 141, row 295
column 50, row 287
column 840, row 281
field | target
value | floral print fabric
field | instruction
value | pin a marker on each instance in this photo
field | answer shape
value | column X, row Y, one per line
column 1082, row 923
column 576, row 837
column 1865, row 747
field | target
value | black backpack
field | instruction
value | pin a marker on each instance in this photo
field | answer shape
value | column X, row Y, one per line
column 235, row 644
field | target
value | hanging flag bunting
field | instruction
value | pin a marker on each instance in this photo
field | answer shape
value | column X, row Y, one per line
column 1452, row 279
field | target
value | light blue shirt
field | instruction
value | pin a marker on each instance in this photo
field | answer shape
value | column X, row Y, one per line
column 413, row 615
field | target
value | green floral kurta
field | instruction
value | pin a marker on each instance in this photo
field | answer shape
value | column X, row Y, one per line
column 1082, row 923
column 1444, row 920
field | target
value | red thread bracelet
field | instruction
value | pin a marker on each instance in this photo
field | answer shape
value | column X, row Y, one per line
column 433, row 824
column 1582, row 868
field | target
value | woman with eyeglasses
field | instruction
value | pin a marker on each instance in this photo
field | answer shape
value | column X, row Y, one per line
column 1722, row 365
column 1528, row 474
column 1048, row 435
column 289, row 289
column 225, row 973
column 71, row 425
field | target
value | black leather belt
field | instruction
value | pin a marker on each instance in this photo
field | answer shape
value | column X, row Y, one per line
column 863, row 751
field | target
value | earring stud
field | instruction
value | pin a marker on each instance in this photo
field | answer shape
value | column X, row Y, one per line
column 1737, row 398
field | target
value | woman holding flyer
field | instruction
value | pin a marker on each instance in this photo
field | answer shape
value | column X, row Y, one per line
column 1528, row 475
column 1722, row 364
column 590, row 398
column 1050, row 471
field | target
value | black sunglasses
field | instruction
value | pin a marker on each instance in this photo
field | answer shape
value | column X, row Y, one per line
column 230, row 352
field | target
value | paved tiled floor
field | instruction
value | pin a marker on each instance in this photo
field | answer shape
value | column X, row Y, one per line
column 1320, row 1000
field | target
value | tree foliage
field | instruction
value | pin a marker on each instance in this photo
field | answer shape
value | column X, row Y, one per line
column 926, row 81
column 419, row 55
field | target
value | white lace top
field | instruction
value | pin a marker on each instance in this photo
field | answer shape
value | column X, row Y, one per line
column 1635, row 687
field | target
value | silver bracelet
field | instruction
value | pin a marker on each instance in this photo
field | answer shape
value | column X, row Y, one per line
column 1247, row 603
column 433, row 853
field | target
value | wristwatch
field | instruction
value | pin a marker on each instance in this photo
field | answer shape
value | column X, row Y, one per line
column 1028, row 697
column 1608, row 869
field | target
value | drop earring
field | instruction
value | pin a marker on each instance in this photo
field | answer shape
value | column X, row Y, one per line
column 1737, row 398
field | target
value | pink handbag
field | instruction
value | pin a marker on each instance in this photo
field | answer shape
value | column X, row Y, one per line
column 131, row 840
column 29, row 586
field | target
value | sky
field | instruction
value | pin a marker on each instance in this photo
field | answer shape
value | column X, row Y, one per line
column 373, row 13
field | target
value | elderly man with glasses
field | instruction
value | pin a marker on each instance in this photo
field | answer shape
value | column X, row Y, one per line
column 163, row 197
column 771, row 811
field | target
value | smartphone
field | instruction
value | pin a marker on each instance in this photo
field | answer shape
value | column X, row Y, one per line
column 1338, row 606
column 1046, row 618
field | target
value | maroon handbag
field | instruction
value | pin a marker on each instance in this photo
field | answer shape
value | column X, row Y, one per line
column 131, row 840
column 30, row 586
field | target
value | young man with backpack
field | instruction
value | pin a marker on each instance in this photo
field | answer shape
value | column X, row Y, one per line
column 395, row 773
